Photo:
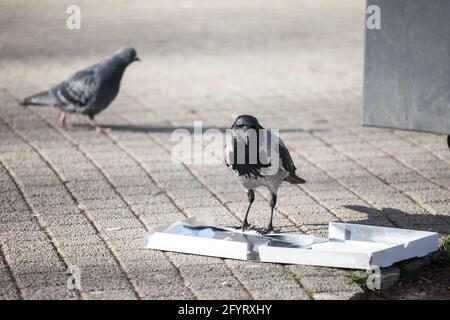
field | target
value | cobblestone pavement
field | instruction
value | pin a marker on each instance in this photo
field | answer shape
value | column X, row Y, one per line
column 77, row 197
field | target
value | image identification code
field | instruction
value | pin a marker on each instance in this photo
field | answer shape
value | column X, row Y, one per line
column 226, row 309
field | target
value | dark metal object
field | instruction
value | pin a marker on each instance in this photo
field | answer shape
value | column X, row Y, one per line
column 407, row 66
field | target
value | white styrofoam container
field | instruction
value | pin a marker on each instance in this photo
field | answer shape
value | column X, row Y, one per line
column 347, row 246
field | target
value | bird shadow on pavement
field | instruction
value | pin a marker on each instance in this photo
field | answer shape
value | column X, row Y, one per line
column 167, row 129
column 143, row 128
column 420, row 221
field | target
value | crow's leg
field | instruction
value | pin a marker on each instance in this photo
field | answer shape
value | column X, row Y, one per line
column 62, row 119
column 97, row 127
column 273, row 202
column 251, row 198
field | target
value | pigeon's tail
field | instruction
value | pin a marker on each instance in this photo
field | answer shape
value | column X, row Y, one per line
column 44, row 98
column 294, row 179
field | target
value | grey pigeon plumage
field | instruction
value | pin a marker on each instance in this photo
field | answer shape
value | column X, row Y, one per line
column 271, row 165
column 88, row 91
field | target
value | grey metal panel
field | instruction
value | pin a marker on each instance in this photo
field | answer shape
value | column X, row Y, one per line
column 407, row 69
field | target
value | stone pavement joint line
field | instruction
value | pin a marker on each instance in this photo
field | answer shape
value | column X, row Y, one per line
column 41, row 226
column 72, row 196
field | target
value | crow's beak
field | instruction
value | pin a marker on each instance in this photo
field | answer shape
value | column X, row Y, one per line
column 136, row 59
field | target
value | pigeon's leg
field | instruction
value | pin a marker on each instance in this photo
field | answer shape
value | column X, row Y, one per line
column 251, row 198
column 62, row 119
column 273, row 202
column 98, row 127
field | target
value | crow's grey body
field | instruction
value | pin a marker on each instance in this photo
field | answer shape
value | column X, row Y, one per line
column 271, row 175
column 274, row 163
column 88, row 91
column 270, row 181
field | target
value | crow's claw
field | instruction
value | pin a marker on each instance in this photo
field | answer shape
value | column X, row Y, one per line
column 267, row 230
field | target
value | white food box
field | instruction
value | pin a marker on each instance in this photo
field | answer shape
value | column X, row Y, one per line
column 351, row 246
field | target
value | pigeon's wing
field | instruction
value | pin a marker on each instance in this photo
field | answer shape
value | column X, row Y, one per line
column 76, row 93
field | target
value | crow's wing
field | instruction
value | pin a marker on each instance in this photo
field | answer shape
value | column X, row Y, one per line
column 228, row 150
column 285, row 157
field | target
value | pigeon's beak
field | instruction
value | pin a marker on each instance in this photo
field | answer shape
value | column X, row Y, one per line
column 136, row 59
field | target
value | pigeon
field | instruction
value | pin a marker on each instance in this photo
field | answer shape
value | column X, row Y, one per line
column 259, row 158
column 88, row 91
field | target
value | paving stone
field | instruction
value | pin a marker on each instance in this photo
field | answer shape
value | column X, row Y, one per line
column 92, row 196
column 49, row 293
column 109, row 295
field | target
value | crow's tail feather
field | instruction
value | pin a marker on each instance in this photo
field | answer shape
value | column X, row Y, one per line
column 39, row 99
column 294, row 179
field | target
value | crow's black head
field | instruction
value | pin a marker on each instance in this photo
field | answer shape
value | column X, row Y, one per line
column 245, row 122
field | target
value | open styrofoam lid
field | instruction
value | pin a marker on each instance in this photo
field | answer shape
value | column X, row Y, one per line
column 347, row 246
